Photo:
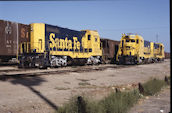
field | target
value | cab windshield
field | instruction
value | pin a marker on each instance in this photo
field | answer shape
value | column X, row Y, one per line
column 130, row 40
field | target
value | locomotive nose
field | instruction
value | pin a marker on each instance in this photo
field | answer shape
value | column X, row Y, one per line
column 129, row 45
column 129, row 49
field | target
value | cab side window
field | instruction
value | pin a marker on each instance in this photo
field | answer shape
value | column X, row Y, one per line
column 95, row 39
column 137, row 41
column 127, row 40
column 89, row 37
column 132, row 40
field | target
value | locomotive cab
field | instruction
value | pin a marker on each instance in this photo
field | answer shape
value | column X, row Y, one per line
column 129, row 49
column 159, row 52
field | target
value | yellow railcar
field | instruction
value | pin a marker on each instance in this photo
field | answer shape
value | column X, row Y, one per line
column 56, row 46
column 133, row 49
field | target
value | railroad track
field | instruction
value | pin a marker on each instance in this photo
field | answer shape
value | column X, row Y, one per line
column 38, row 72
column 15, row 72
column 11, row 69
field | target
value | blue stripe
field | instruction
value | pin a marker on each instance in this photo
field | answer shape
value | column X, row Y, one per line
column 62, row 33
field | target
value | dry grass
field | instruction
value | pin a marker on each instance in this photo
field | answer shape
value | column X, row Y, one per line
column 84, row 83
column 119, row 102
column 114, row 103
column 62, row 88
column 153, row 86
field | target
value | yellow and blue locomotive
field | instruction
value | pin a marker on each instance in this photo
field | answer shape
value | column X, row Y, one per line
column 133, row 49
column 56, row 46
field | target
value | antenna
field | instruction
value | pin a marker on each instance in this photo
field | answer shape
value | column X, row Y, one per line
column 157, row 38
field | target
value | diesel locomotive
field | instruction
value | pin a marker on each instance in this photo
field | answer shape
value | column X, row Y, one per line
column 56, row 46
column 133, row 49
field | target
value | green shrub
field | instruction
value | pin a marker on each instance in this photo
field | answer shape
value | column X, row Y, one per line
column 153, row 86
column 119, row 102
column 94, row 107
column 114, row 103
column 70, row 107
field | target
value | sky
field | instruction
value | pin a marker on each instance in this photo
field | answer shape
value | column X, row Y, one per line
column 111, row 18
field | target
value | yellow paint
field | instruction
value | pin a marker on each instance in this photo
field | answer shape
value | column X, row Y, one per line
column 37, row 39
column 159, row 52
column 24, row 47
column 86, row 44
column 38, row 43
column 138, row 49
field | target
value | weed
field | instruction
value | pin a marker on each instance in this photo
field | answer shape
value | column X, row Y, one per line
column 70, row 107
column 83, row 80
column 153, row 86
column 84, row 83
column 114, row 103
column 61, row 88
column 119, row 102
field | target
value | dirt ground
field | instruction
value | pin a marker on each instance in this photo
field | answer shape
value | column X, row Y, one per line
column 43, row 94
column 159, row 103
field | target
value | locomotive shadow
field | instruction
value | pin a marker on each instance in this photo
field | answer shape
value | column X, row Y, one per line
column 29, row 82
